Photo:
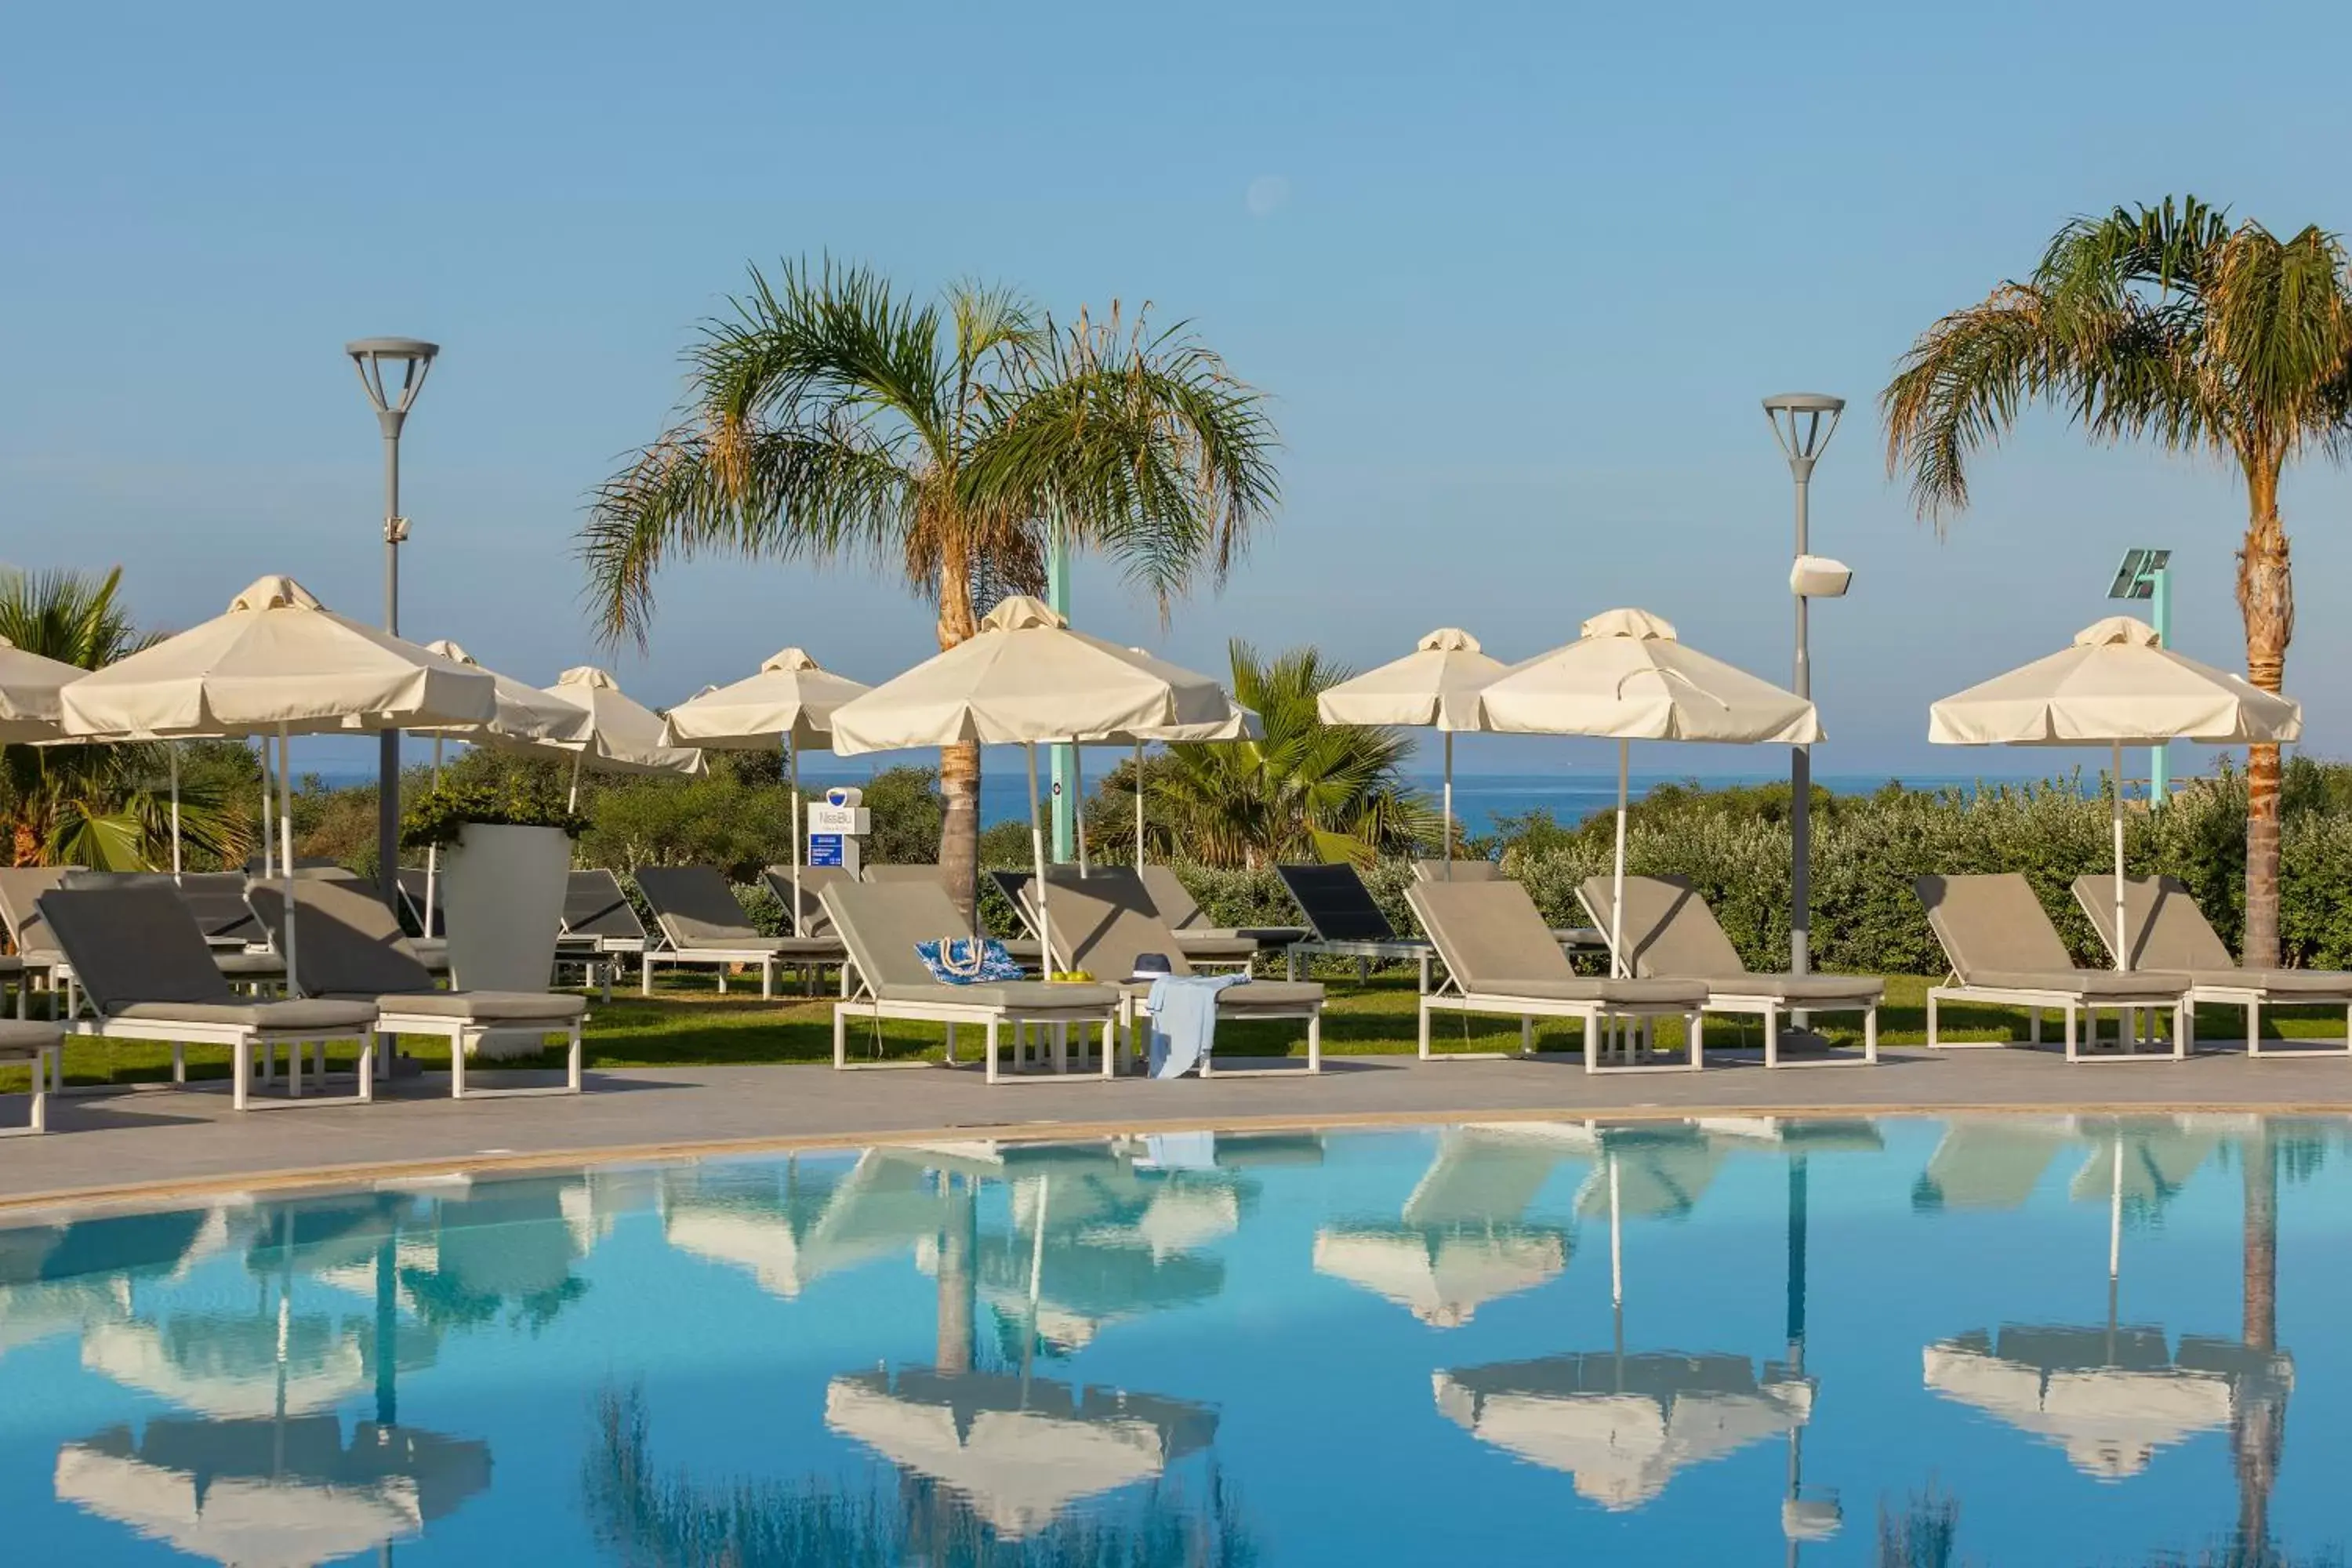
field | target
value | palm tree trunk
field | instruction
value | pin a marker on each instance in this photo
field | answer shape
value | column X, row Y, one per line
column 2258, row 1429
column 959, row 764
column 2266, row 601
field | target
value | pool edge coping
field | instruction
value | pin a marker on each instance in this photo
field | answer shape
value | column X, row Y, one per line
column 297, row 1178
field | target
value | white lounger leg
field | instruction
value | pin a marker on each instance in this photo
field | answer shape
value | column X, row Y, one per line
column 367, row 1068
column 1527, row 1035
column 1111, row 1047
column 2254, row 1027
column 1771, row 1037
column 572, row 1063
column 1315, row 1040
column 951, row 1042
column 240, row 1072
column 294, row 1069
column 992, row 1028
column 646, row 974
column 37, row 1115
column 1931, row 1019
column 1870, row 1033
column 179, row 1062
column 1424, row 1027
column 1592, row 1042
column 2184, row 1028
column 457, row 1065
column 2071, row 1055
column 841, row 1038
column 767, row 980
column 1698, row 1041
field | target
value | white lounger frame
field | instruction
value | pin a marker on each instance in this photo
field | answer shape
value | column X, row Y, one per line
column 464, row 1033
column 2072, row 1003
column 1131, row 1014
column 48, row 1066
column 991, row 1019
column 1769, row 1009
column 2253, row 998
column 720, row 957
column 1365, row 953
column 1619, row 1053
column 181, row 1033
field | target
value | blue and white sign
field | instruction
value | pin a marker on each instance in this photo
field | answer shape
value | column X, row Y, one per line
column 824, row 848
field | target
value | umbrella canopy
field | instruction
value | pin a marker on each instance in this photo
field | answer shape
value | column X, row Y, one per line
column 276, row 662
column 522, row 711
column 790, row 701
column 1629, row 678
column 1442, row 1276
column 232, row 1366
column 1483, row 1174
column 2109, row 1397
column 1435, row 685
column 789, row 1241
column 271, row 1494
column 1624, row 1424
column 623, row 735
column 2117, row 685
column 1026, row 678
column 29, row 688
column 1020, row 1450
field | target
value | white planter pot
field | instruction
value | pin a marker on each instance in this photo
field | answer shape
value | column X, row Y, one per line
column 502, row 892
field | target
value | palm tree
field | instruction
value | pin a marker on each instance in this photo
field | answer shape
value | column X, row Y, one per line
column 2163, row 323
column 99, row 806
column 1307, row 791
column 829, row 416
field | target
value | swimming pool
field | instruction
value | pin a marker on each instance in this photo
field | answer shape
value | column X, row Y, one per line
column 1998, row 1340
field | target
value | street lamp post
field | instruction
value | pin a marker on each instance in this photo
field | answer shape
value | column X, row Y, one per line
column 1802, row 422
column 411, row 358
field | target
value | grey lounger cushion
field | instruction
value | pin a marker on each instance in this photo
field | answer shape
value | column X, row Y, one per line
column 1104, row 927
column 1496, row 944
column 1122, row 884
column 810, row 919
column 2170, row 932
column 1669, row 930
column 303, row 1013
column 1999, row 937
column 485, row 1007
column 134, row 944
column 698, row 910
column 22, row 1039
column 880, row 923
column 1257, row 996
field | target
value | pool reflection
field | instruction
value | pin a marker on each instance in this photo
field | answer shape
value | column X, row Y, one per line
column 1842, row 1338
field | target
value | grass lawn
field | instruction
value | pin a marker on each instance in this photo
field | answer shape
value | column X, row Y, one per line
column 687, row 1023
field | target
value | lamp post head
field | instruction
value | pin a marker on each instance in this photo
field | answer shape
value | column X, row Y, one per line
column 413, row 356
column 1803, row 422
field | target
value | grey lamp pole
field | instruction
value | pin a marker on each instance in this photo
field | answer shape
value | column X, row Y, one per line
column 411, row 358
column 1803, row 422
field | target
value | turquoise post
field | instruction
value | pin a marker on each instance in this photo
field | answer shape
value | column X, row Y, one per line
column 1057, row 597
column 2159, row 771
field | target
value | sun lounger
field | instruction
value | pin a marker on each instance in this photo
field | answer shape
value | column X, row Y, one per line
column 1173, row 903
column 2003, row 949
column 598, row 927
column 349, row 948
column 1217, row 949
column 880, row 924
column 37, row 954
column 1501, row 959
column 2169, row 931
column 149, row 975
column 240, row 946
column 1344, row 922
column 1103, row 929
column 1670, row 934
column 810, row 919
column 1574, row 938
column 701, row 923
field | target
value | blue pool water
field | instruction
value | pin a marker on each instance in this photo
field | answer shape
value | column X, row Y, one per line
column 1723, row 1342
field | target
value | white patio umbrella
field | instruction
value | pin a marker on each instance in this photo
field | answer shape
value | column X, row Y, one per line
column 1436, row 684
column 1020, row 1450
column 525, row 713
column 276, row 662
column 788, row 703
column 1025, row 679
column 789, row 1241
column 1629, row 679
column 2118, row 685
column 623, row 735
column 1441, row 1275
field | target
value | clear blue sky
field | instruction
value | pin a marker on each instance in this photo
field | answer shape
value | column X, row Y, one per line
column 1516, row 275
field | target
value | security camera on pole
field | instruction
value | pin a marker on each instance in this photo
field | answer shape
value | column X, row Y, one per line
column 1803, row 422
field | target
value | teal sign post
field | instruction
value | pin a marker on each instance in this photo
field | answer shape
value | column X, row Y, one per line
column 2147, row 575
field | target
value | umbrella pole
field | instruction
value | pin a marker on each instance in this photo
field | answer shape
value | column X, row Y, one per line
column 1079, row 801
column 1138, row 802
column 1616, row 1268
column 1617, row 964
column 2123, row 932
column 175, row 811
column 793, row 783
column 2115, row 1246
column 1037, row 854
column 286, row 857
column 432, row 851
column 1448, row 841
column 268, row 842
column 572, row 801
